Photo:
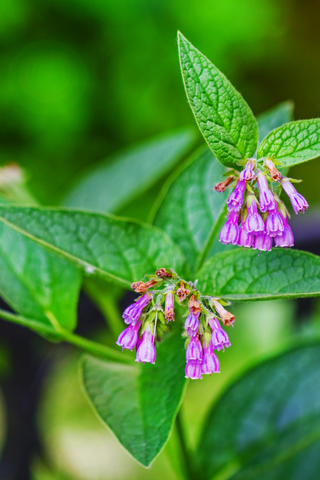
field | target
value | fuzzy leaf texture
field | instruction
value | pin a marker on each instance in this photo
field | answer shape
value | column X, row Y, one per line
column 266, row 426
column 35, row 282
column 139, row 403
column 293, row 143
column 126, row 175
column 224, row 118
column 245, row 275
column 115, row 249
column 274, row 118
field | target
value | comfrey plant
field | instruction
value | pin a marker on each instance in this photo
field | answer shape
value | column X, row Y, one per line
column 148, row 316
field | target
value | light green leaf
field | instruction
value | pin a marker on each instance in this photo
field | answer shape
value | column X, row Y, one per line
column 139, row 403
column 114, row 183
column 224, row 118
column 247, row 275
column 35, row 282
column 116, row 249
column 266, row 426
column 293, row 143
column 274, row 118
column 189, row 211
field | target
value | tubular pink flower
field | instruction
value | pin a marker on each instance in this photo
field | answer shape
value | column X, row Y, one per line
column 245, row 239
column 210, row 362
column 298, row 202
column 193, row 370
column 192, row 324
column 133, row 312
column 266, row 197
column 129, row 337
column 219, row 339
column 286, row 239
column 274, row 222
column 253, row 222
column 146, row 352
column 230, row 231
column 169, row 307
column 248, row 172
column 235, row 200
column 263, row 242
column 194, row 350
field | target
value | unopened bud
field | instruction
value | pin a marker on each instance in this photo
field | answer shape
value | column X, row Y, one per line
column 182, row 292
column 193, row 305
column 226, row 317
column 141, row 287
column 274, row 173
column 162, row 273
column 221, row 187
column 169, row 307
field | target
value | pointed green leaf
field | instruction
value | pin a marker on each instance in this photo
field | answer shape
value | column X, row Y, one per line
column 35, row 282
column 139, row 402
column 274, row 118
column 118, row 250
column 189, row 211
column 114, row 183
column 293, row 143
column 224, row 118
column 247, row 275
column 267, row 424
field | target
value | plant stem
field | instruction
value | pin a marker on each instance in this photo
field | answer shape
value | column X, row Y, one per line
column 90, row 346
column 188, row 467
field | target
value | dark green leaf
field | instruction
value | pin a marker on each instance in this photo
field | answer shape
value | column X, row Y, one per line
column 246, row 275
column 118, row 250
column 267, row 425
column 112, row 184
column 274, row 118
column 190, row 212
column 293, row 143
column 139, row 403
column 224, row 118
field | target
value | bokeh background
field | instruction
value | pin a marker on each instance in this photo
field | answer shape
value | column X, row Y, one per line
column 81, row 79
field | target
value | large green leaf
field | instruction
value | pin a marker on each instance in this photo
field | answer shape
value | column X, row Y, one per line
column 114, row 183
column 139, row 403
column 224, row 118
column 246, row 275
column 116, row 249
column 267, row 424
column 293, row 143
column 274, row 118
column 190, row 212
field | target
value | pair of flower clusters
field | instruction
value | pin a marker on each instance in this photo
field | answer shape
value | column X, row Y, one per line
column 257, row 215
column 149, row 316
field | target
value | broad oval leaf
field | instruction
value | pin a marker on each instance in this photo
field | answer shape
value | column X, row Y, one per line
column 274, row 118
column 224, row 118
column 190, row 212
column 293, row 143
column 112, row 184
column 116, row 249
column 35, row 282
column 248, row 275
column 139, row 403
column 267, row 424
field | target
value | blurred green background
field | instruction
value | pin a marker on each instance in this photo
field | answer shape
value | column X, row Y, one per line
column 82, row 79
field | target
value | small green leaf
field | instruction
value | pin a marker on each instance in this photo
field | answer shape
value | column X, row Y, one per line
column 116, row 249
column 35, row 282
column 267, row 424
column 189, row 210
column 274, row 118
column 247, row 275
column 224, row 118
column 293, row 143
column 139, row 403
column 123, row 177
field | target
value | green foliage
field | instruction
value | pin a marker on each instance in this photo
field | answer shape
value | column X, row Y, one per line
column 224, row 118
column 274, row 118
column 139, row 403
column 113, row 184
column 266, row 425
column 293, row 143
column 245, row 275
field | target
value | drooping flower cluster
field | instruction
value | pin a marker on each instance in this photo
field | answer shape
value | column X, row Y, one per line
column 256, row 215
column 149, row 316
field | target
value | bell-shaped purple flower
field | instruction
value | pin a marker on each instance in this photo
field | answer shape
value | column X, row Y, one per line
column 193, row 370
column 230, row 230
column 194, row 350
column 263, row 242
column 248, row 172
column 192, row 324
column 298, row 202
column 133, row 312
column 253, row 222
column 210, row 362
column 219, row 339
column 235, row 200
column 146, row 352
column 266, row 197
column 274, row 222
column 245, row 239
column 286, row 239
column 129, row 337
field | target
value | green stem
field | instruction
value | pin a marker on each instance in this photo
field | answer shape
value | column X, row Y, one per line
column 90, row 346
column 188, row 467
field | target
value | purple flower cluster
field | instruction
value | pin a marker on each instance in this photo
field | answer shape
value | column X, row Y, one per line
column 257, row 217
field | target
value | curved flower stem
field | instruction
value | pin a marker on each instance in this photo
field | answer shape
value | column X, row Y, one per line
column 186, row 458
